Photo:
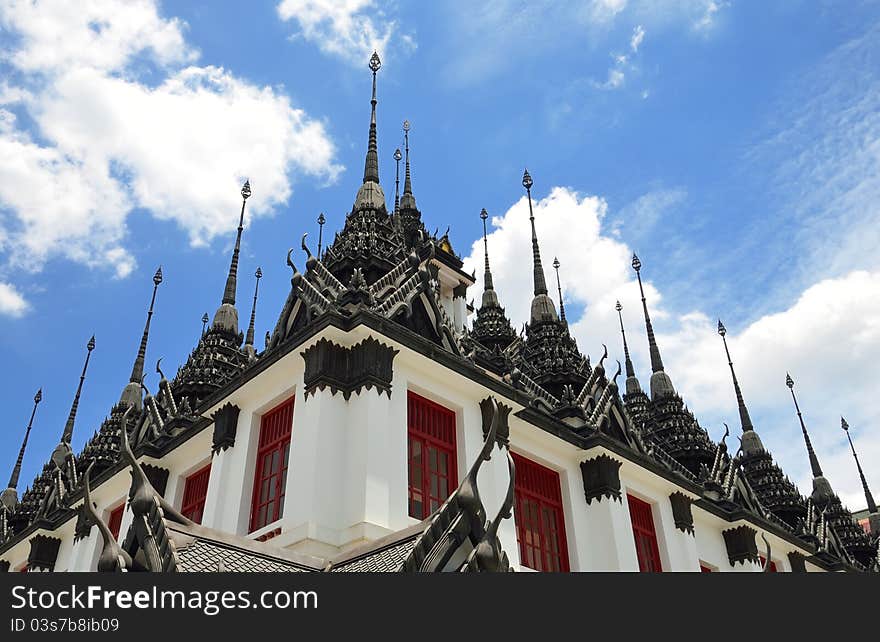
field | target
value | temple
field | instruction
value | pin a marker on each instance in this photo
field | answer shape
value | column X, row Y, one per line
column 388, row 425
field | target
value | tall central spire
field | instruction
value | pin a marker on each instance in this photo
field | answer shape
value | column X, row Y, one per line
column 543, row 309
column 226, row 317
column 9, row 497
column 489, row 295
column 131, row 394
column 821, row 487
column 370, row 195
column 538, row 269
column 869, row 498
column 371, row 165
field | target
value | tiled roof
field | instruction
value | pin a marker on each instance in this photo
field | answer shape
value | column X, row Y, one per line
column 385, row 560
column 204, row 556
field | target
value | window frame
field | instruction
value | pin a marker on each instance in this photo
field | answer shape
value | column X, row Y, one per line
column 543, row 501
column 281, row 444
column 429, row 438
column 648, row 535
column 188, row 507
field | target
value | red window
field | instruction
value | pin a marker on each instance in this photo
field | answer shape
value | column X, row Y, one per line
column 705, row 569
column 773, row 568
column 433, row 473
column 645, row 535
column 540, row 525
column 115, row 520
column 271, row 474
column 195, row 490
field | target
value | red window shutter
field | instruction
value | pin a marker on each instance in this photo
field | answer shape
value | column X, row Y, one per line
column 773, row 568
column 195, row 491
column 645, row 535
column 705, row 569
column 539, row 517
column 432, row 466
column 270, row 475
column 114, row 522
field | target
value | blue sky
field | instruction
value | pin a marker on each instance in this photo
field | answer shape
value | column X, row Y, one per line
column 735, row 145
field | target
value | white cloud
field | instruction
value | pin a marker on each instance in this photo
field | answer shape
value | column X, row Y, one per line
column 12, row 303
column 707, row 19
column 829, row 339
column 638, row 36
column 104, row 142
column 350, row 29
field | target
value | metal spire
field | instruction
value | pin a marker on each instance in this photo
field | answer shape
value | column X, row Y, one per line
column 656, row 361
column 131, row 394
column 407, row 201
column 16, row 471
column 540, row 283
column 231, row 279
column 397, row 157
column 205, row 319
column 630, row 371
column 872, row 505
column 814, row 461
column 249, row 340
column 556, row 265
column 371, row 165
column 71, row 418
column 744, row 418
column 321, row 221
column 487, row 273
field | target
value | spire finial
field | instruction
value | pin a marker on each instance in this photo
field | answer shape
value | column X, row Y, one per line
column 137, row 370
column 71, row 418
column 487, row 274
column 407, row 201
column 869, row 498
column 231, row 279
column 371, row 165
column 630, row 371
column 556, row 265
column 397, row 157
column 745, row 420
column 814, row 461
column 249, row 340
column 656, row 361
column 540, row 283
column 205, row 319
column 321, row 221
column 9, row 499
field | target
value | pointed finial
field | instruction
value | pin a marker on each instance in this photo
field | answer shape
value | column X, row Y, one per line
column 814, row 461
column 231, row 279
column 321, row 221
column 407, row 201
column 537, row 268
column 869, row 498
column 556, row 265
column 137, row 370
column 10, row 497
column 397, row 157
column 205, row 319
column 744, row 418
column 630, row 371
column 371, row 165
column 249, row 341
column 656, row 361
column 487, row 273
column 71, row 418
